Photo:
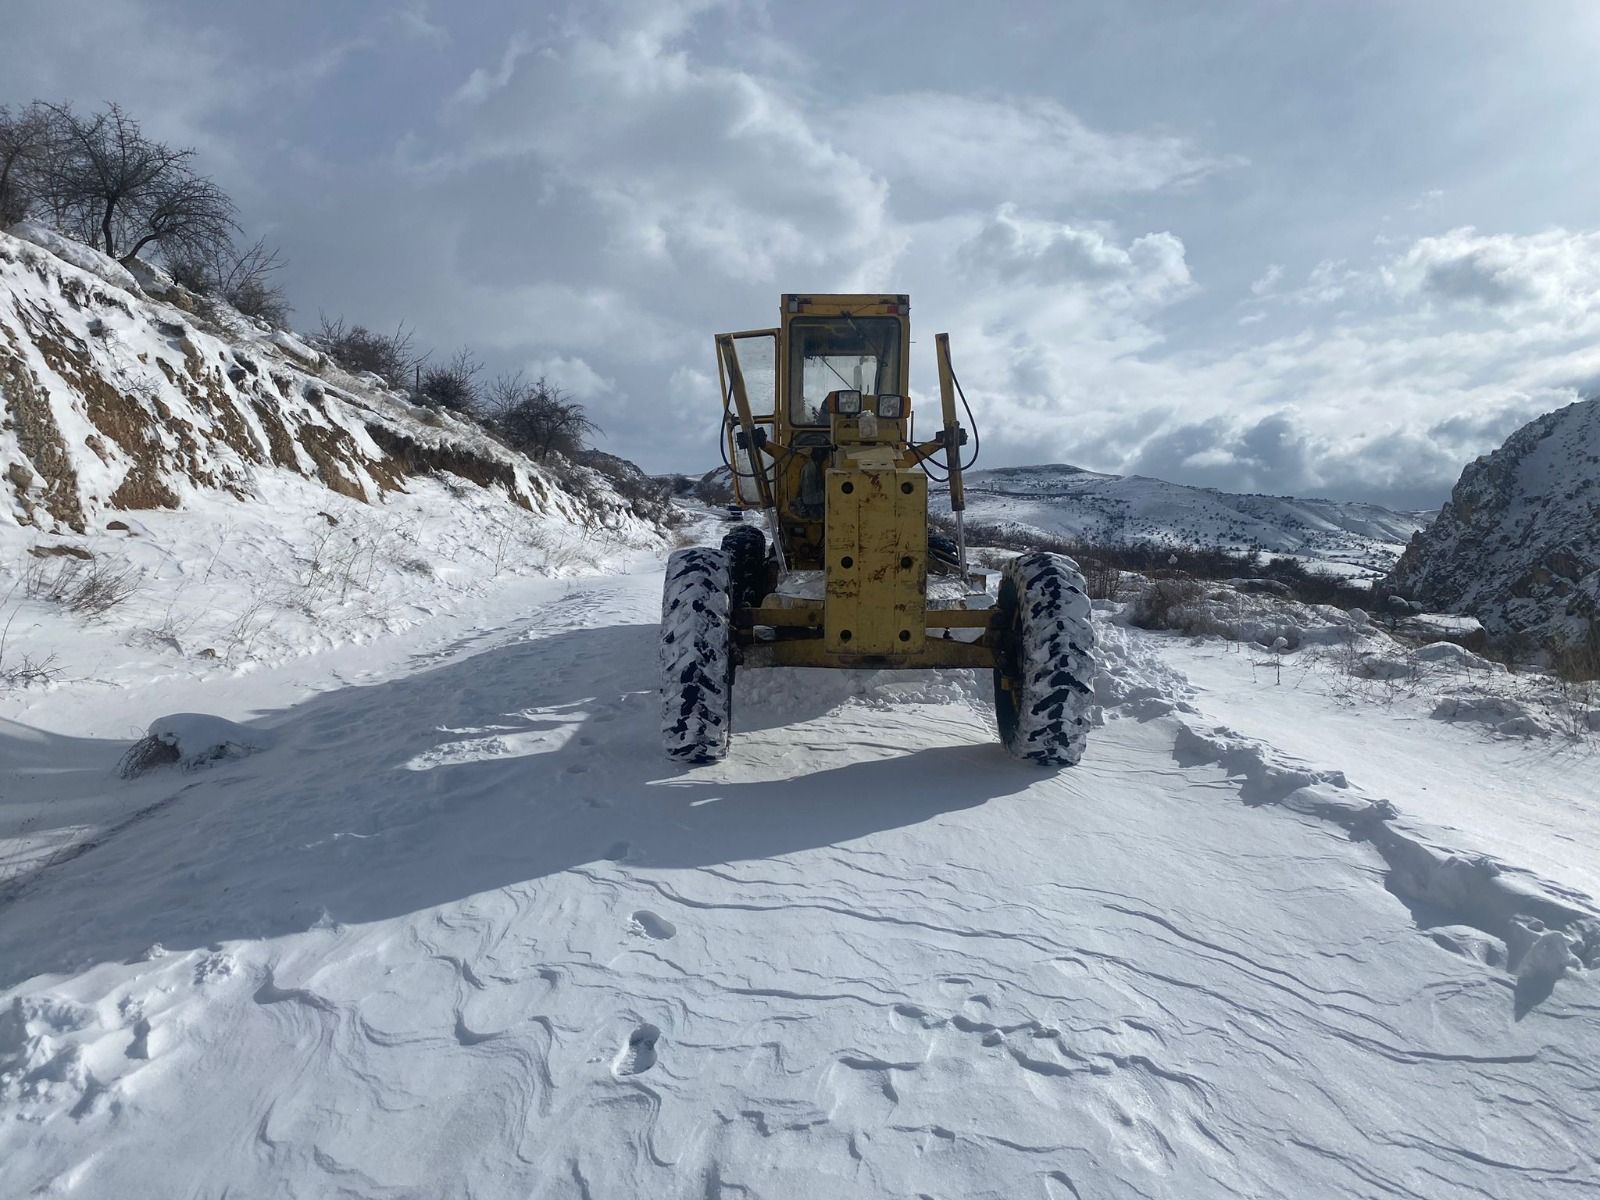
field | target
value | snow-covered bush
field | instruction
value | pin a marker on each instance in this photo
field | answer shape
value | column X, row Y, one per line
column 1166, row 604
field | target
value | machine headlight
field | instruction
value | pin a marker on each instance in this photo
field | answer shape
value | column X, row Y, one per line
column 891, row 407
column 847, row 404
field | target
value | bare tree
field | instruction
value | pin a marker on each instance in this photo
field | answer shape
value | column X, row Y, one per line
column 27, row 137
column 453, row 384
column 241, row 277
column 121, row 191
column 537, row 417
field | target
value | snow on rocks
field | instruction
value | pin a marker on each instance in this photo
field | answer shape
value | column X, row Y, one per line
column 1449, row 654
column 85, row 258
column 192, row 740
column 296, row 349
column 1500, row 714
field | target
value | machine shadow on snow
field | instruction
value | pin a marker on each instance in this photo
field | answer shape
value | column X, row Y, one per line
column 498, row 769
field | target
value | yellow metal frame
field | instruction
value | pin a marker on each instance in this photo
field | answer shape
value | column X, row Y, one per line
column 871, row 540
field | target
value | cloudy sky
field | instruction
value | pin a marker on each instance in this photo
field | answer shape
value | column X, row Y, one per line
column 1320, row 248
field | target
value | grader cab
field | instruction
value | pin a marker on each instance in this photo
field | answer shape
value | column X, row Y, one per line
column 844, row 570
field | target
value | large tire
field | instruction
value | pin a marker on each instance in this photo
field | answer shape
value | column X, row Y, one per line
column 696, row 656
column 746, row 548
column 942, row 548
column 1044, row 659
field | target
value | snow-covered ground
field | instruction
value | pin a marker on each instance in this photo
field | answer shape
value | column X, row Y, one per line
column 456, row 928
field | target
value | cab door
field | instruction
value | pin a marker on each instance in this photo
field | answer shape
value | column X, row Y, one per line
column 754, row 361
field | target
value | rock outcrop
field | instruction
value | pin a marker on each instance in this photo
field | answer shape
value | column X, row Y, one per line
column 1518, row 544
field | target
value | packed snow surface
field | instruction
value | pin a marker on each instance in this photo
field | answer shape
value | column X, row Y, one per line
column 456, row 928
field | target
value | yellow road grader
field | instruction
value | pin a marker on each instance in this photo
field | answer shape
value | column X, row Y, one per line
column 843, row 569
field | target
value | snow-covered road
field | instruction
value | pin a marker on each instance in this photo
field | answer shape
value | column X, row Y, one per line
column 465, row 932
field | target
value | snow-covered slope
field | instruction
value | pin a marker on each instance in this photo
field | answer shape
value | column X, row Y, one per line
column 462, row 931
column 117, row 401
column 183, row 490
column 1125, row 509
column 1518, row 545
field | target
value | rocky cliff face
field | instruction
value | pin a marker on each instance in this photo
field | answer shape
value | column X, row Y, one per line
column 1518, row 544
column 119, row 394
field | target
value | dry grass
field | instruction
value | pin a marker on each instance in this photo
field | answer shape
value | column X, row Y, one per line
column 90, row 588
column 149, row 751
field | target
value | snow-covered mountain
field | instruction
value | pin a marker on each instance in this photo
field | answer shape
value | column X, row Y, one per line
column 1075, row 503
column 1518, row 545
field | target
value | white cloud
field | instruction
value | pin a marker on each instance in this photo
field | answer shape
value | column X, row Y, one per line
column 598, row 191
column 572, row 375
column 1012, row 248
column 1267, row 283
column 695, row 166
column 1029, row 149
column 1556, row 273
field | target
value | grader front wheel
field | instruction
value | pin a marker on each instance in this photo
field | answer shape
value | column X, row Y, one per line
column 696, row 656
column 746, row 548
column 1044, row 660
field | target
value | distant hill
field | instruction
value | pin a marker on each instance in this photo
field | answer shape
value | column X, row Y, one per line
column 1518, row 544
column 1127, row 509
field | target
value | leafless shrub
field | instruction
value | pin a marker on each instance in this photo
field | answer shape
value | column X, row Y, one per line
column 148, row 752
column 536, row 417
column 1514, row 650
column 1103, row 578
column 453, row 384
column 393, row 356
column 1165, row 604
column 24, row 670
column 90, row 588
column 1576, row 660
column 242, row 633
column 1150, row 558
column 244, row 278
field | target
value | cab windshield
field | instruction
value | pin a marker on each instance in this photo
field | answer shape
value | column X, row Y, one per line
column 832, row 353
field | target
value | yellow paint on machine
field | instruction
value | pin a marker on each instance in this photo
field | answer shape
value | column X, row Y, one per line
column 876, row 547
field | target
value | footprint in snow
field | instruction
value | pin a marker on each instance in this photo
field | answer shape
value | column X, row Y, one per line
column 639, row 1054
column 651, row 926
